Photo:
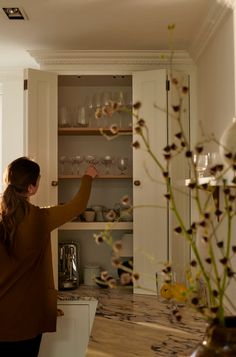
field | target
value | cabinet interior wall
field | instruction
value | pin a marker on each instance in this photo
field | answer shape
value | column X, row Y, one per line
column 75, row 92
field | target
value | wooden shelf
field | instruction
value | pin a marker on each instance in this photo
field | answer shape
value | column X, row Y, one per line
column 97, row 226
column 100, row 177
column 92, row 131
column 211, row 181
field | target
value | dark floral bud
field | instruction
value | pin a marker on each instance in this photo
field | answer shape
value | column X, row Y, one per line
column 205, row 239
column 231, row 198
column 185, row 89
column 199, row 149
column 193, row 225
column 114, row 106
column 167, row 196
column 190, row 231
column 195, row 301
column 215, row 293
column 173, row 147
column 227, row 191
column 234, row 248
column 229, row 155
column 220, row 167
column 138, row 129
column 116, row 262
column 141, row 122
column 183, row 144
column 234, row 180
column 193, row 263
column 136, row 145
column 167, row 148
column 192, row 185
column 114, row 129
column 188, row 153
column 230, row 272
column 178, row 229
column 204, row 186
column 234, row 167
column 208, row 260
column 165, row 174
column 218, row 212
column 202, row 223
column 167, row 156
column 137, row 105
column 207, row 215
column 220, row 244
column 224, row 260
column 174, row 81
column 229, row 209
column 178, row 135
column 176, row 108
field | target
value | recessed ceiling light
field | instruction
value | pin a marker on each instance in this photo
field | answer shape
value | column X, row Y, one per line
column 15, row 13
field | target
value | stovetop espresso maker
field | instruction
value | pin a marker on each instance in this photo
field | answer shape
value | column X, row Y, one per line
column 68, row 266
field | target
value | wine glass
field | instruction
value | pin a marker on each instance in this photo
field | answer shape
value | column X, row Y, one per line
column 201, row 163
column 62, row 160
column 122, row 164
column 92, row 159
column 107, row 160
column 76, row 161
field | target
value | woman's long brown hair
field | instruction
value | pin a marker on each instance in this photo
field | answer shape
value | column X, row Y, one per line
column 19, row 174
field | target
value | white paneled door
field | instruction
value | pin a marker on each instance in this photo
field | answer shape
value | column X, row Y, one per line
column 151, row 241
column 40, row 140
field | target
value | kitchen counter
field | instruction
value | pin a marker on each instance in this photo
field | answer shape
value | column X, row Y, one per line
column 128, row 324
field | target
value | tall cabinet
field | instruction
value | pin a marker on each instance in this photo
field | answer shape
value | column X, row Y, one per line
column 50, row 138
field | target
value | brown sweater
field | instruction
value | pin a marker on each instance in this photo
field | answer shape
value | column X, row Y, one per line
column 28, row 300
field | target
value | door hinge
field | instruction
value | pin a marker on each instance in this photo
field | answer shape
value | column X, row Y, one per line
column 167, row 85
column 25, row 84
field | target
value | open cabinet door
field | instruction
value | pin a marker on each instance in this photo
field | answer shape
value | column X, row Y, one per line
column 41, row 130
column 40, row 140
column 151, row 238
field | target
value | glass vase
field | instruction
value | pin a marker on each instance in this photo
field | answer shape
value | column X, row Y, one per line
column 218, row 340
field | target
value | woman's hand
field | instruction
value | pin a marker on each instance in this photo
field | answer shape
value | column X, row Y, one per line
column 91, row 171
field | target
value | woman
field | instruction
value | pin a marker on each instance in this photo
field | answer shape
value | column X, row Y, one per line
column 28, row 300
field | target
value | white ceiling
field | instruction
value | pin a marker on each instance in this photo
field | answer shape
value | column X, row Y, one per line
column 100, row 25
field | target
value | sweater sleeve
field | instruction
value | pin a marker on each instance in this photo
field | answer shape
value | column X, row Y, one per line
column 58, row 215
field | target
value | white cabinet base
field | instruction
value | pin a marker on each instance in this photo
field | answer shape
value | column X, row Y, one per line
column 73, row 330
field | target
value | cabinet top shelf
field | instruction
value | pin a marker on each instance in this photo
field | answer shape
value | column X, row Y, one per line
column 92, row 131
column 103, row 177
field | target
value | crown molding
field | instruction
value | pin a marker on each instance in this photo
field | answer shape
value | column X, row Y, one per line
column 108, row 60
column 219, row 10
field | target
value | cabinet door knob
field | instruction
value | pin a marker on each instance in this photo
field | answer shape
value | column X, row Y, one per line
column 54, row 183
column 137, row 182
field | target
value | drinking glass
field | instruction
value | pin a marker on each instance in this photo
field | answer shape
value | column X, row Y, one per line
column 62, row 160
column 201, row 163
column 76, row 161
column 122, row 164
column 107, row 160
column 64, row 118
column 92, row 159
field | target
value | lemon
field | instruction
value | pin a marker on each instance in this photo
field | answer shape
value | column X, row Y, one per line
column 179, row 292
column 166, row 291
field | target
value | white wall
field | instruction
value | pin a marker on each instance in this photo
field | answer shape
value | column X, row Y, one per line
column 12, row 116
column 216, row 95
column 216, row 87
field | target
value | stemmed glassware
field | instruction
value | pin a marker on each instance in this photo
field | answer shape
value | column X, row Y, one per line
column 92, row 159
column 76, row 161
column 62, row 161
column 107, row 161
column 122, row 164
column 201, row 163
